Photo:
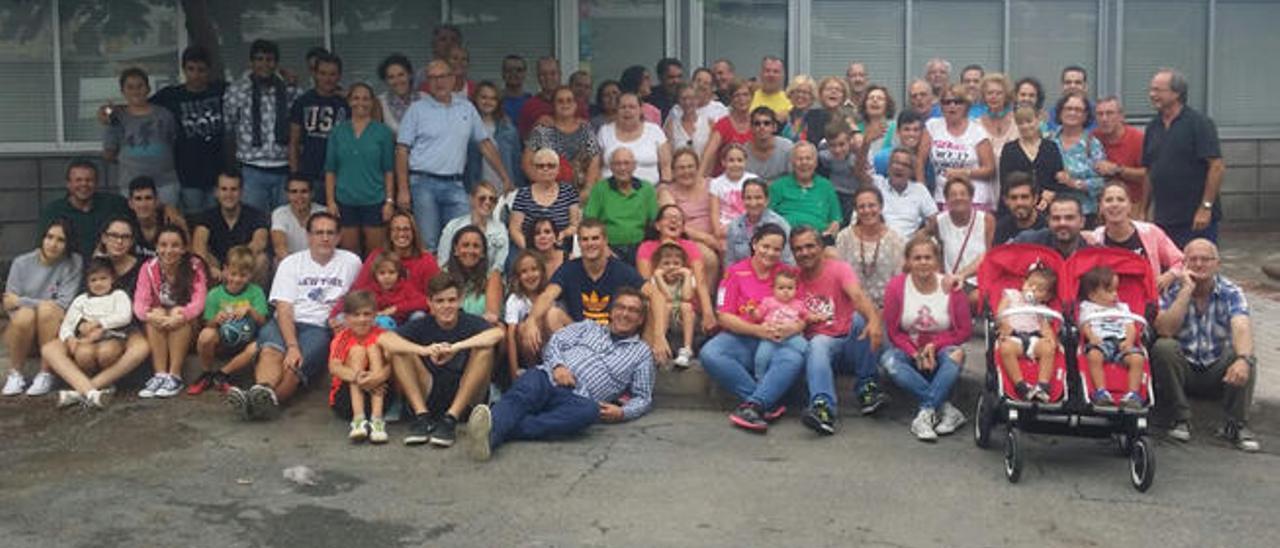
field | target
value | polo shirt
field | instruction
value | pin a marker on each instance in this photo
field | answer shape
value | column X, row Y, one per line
column 816, row 206
column 585, row 298
column 360, row 164
column 437, row 135
column 625, row 215
column 223, row 237
column 1127, row 152
column 85, row 225
column 1177, row 160
column 777, row 101
column 905, row 211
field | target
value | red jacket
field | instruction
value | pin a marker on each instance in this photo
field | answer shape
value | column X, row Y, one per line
column 404, row 296
column 957, row 308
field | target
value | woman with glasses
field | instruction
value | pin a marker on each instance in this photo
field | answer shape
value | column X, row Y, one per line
column 1080, row 152
column 959, row 147
column 734, row 128
column 402, row 239
column 359, row 165
column 545, row 197
column 484, row 197
column 570, row 137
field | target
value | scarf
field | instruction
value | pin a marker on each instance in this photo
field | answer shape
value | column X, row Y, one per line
column 277, row 86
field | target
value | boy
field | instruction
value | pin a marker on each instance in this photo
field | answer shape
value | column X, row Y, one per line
column 233, row 312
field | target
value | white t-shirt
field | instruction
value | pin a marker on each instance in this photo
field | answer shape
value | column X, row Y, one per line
column 949, row 151
column 925, row 313
column 962, row 244
column 1105, row 328
column 314, row 288
column 295, row 234
column 645, row 148
column 712, row 112
column 729, row 192
column 905, row 212
column 518, row 308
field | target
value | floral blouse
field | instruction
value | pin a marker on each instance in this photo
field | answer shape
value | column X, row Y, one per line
column 1078, row 162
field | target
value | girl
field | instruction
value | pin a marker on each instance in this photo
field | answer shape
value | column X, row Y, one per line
column 397, row 299
column 354, row 356
column 168, row 300
column 781, row 311
column 544, row 245
column 1111, row 335
column 92, row 328
column 727, row 187
column 481, row 287
column 528, row 279
column 41, row 284
column 674, row 280
column 1028, row 333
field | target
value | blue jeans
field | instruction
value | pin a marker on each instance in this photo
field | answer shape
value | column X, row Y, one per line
column 535, row 409
column 435, row 202
column 766, row 348
column 313, row 342
column 262, row 188
column 730, row 359
column 196, row 200
column 828, row 354
column 931, row 389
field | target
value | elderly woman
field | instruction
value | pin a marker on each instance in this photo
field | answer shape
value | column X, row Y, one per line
column 965, row 234
column 734, row 128
column 1031, row 153
column 484, row 196
column 686, row 126
column 625, row 204
column 646, row 140
column 571, row 138
column 545, row 198
column 41, row 285
column 927, row 325
column 670, row 227
column 692, row 194
column 959, row 147
column 874, row 249
column 1081, row 151
column 636, row 81
column 403, row 240
column 729, row 357
column 997, row 118
column 397, row 73
column 833, row 94
column 469, row 263
column 755, row 198
column 801, row 92
column 878, row 127
column 1145, row 239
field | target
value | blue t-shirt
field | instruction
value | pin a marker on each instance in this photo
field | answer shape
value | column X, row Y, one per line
column 317, row 115
column 589, row 299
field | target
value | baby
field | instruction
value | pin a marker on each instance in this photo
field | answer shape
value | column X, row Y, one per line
column 1028, row 333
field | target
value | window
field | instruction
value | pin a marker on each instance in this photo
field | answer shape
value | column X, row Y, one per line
column 494, row 28
column 616, row 34
column 744, row 31
column 1160, row 33
column 295, row 25
column 1243, row 80
column 366, row 31
column 26, row 60
column 1046, row 36
column 964, row 33
column 99, row 39
column 868, row 31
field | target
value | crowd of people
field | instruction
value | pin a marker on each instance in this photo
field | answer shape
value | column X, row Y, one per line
column 444, row 242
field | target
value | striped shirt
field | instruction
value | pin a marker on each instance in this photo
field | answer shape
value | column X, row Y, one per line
column 558, row 211
column 603, row 367
column 1206, row 333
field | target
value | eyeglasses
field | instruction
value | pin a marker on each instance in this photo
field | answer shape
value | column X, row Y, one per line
column 1198, row 260
column 546, row 166
column 487, row 199
column 953, row 101
column 118, row 236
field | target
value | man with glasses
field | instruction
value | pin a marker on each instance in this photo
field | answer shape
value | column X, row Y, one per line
column 805, row 198
column 1184, row 162
column 295, row 343
column 1205, row 347
column 229, row 224
column 1074, row 78
column 923, row 102
column 256, row 108
column 907, row 203
column 768, row 154
column 431, row 154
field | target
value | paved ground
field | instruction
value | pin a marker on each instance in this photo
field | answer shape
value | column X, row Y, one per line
column 148, row 473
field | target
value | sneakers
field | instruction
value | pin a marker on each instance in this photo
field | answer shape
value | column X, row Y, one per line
column 419, row 430
column 871, row 399
column 479, row 425
column 1181, row 431
column 820, row 419
column 1240, row 436
column 98, row 399
column 204, row 382
column 1131, row 400
column 15, row 384
column 263, row 404
column 377, row 431
column 171, row 386
column 1102, row 397
column 446, row 432
column 40, row 385
column 1032, row 392
column 747, row 416
column 153, row 384
column 221, row 382
column 359, row 430
column 922, row 426
column 951, row 420
column 238, row 400
column 683, row 358
column 774, row 414
column 68, row 398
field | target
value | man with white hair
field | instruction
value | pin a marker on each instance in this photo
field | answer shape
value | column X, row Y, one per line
column 938, row 73
column 858, row 80
column 1184, row 162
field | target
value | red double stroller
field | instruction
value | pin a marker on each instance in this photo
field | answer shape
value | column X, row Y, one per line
column 1068, row 409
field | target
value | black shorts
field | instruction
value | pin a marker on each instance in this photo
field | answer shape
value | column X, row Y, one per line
column 365, row 215
column 444, row 388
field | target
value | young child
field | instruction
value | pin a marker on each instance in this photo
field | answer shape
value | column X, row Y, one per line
column 1112, row 338
column 528, row 280
column 781, row 311
column 727, row 187
column 91, row 329
column 233, row 312
column 353, row 356
column 673, row 278
column 837, row 163
column 168, row 300
column 397, row 298
column 1029, row 333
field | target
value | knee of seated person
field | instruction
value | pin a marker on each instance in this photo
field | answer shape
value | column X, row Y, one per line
column 24, row 317
column 47, row 308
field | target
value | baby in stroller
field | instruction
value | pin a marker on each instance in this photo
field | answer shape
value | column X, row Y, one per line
column 1027, row 332
column 1110, row 332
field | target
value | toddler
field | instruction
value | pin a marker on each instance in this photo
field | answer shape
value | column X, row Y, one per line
column 1028, row 333
column 233, row 312
column 92, row 329
column 1111, row 334
column 781, row 313
column 673, row 278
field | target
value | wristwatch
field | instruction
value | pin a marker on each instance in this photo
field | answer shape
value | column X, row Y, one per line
column 1249, row 359
column 1206, row 205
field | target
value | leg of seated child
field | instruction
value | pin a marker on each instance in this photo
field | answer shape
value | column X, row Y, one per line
column 1095, row 357
column 1010, row 350
column 241, row 360
column 206, row 347
column 378, row 395
column 1134, row 362
column 688, row 320
column 1046, row 349
column 357, row 360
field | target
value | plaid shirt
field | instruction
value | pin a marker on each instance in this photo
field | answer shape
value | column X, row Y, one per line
column 603, row 367
column 1206, row 333
column 237, row 108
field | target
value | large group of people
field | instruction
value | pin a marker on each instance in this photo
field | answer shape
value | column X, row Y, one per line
column 445, row 241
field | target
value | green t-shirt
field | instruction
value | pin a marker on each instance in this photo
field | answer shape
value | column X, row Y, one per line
column 220, row 299
column 360, row 164
column 816, row 206
column 624, row 216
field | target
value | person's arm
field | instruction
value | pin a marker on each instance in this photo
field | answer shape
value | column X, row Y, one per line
column 392, row 343
column 257, row 306
column 258, row 243
column 537, row 314
column 484, row 339
column 664, row 161
column 865, row 306
column 75, row 313
column 1242, row 342
column 552, row 356
column 389, row 180
column 295, row 146
column 922, row 154
column 199, row 288
column 986, row 162
column 493, row 298
column 491, row 155
column 893, row 295
column 331, row 190
column 575, row 219
column 200, row 246
column 514, row 225
column 1169, row 319
column 513, row 351
column 641, row 389
column 143, row 299
column 339, row 369
column 593, row 174
column 279, row 244
column 961, row 322
column 402, row 175
column 710, row 154
column 288, row 332
column 1212, row 184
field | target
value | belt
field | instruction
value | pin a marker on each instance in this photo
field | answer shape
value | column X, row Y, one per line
column 276, row 169
column 440, row 176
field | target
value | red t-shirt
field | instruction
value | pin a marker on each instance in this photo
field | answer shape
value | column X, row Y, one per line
column 728, row 135
column 1126, row 151
column 825, row 294
column 342, row 344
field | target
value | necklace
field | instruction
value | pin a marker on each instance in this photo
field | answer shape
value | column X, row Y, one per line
column 868, row 267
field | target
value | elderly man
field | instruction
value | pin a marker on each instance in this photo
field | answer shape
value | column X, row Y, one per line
column 907, row 203
column 585, row 369
column 805, row 198
column 1066, row 220
column 773, row 77
column 1205, row 346
column 722, row 69
column 937, row 72
column 1184, row 162
column 857, row 79
column 624, row 204
column 922, row 100
column 431, row 153
column 84, row 206
column 1123, row 144
column 768, row 154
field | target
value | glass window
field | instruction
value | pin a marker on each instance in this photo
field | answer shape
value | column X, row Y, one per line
column 1161, row 33
column 744, row 31
column 495, row 28
column 1046, row 36
column 295, row 25
column 616, row 34
column 26, row 59
column 99, row 39
column 965, row 33
column 1243, row 78
column 366, row 31
column 869, row 31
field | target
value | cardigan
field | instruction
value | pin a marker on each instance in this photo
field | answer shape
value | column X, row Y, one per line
column 957, row 307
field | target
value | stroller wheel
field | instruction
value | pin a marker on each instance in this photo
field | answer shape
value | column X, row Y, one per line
column 982, row 421
column 1142, row 464
column 1013, row 455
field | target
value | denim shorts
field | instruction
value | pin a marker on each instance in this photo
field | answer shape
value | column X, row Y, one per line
column 313, row 341
column 1111, row 350
column 367, row 215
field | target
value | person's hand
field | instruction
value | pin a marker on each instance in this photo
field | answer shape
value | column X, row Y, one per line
column 366, row 380
column 875, row 130
column 661, row 350
column 1046, row 197
column 292, row 357
column 950, row 282
column 610, row 412
column 155, row 316
column 875, row 332
column 531, row 336
column 335, row 323
column 403, row 201
column 1062, row 177
column 709, row 323
column 332, row 208
column 215, row 274
column 387, row 211
column 1237, row 374
column 72, row 344
column 241, row 311
column 11, row 301
column 1188, row 282
column 956, row 172
column 956, row 355
column 1106, row 168
column 491, row 318
column 561, row 376
column 220, row 318
column 1202, row 218
column 95, row 334
column 104, row 112
column 1163, row 281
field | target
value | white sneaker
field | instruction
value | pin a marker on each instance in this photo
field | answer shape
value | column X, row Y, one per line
column 170, row 387
column 951, row 420
column 40, row 385
column 14, row 384
column 922, row 426
column 683, row 357
column 153, row 384
column 68, row 398
column 97, row 399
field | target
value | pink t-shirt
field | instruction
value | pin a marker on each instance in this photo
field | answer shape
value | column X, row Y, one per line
column 773, row 311
column 649, row 247
column 742, row 292
column 825, row 294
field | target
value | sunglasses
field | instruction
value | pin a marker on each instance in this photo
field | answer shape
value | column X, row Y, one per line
column 953, row 101
column 546, row 166
column 487, row 199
